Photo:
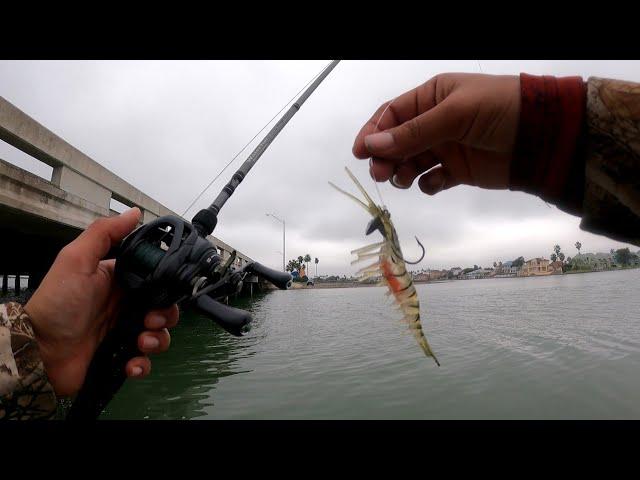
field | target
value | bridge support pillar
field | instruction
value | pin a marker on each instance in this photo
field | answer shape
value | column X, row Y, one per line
column 5, row 284
column 17, row 283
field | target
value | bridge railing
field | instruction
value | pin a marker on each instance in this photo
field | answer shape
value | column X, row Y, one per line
column 77, row 173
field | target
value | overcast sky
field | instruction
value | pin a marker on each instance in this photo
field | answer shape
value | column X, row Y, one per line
column 169, row 127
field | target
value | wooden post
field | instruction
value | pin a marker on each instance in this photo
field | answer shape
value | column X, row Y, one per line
column 17, row 283
column 5, row 284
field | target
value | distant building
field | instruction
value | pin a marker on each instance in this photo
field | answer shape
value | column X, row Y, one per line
column 455, row 271
column 430, row 275
column 536, row 267
column 506, row 269
column 477, row 274
column 556, row 267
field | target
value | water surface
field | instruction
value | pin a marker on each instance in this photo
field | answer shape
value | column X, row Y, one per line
column 560, row 347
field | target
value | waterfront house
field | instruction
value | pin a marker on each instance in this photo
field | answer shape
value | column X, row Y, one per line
column 506, row 269
column 556, row 267
column 536, row 267
column 430, row 275
column 477, row 274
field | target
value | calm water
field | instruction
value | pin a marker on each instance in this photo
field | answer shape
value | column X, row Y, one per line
column 535, row 348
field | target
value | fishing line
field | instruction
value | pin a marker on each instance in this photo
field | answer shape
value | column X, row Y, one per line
column 375, row 182
column 249, row 142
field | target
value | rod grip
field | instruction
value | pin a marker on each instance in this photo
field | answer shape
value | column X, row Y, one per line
column 282, row 280
column 235, row 321
column 106, row 372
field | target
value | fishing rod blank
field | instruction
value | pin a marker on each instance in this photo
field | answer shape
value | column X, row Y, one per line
column 207, row 218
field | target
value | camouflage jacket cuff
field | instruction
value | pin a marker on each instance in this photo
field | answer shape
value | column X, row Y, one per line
column 611, row 204
column 25, row 391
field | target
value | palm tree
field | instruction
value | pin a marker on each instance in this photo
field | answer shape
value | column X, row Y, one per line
column 553, row 257
column 307, row 259
column 561, row 257
column 316, row 266
column 556, row 249
column 578, row 247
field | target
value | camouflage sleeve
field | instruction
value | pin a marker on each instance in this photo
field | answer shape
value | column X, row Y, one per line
column 611, row 203
column 25, row 391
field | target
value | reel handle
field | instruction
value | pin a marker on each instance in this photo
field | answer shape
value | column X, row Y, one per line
column 282, row 280
column 235, row 321
column 106, row 372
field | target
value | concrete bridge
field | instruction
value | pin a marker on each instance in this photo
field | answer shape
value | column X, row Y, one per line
column 38, row 217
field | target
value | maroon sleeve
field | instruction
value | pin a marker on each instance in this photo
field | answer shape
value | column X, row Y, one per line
column 547, row 157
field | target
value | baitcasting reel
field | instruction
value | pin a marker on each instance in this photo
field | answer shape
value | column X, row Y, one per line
column 167, row 261
column 164, row 262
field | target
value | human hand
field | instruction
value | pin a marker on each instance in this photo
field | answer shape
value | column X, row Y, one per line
column 459, row 128
column 78, row 302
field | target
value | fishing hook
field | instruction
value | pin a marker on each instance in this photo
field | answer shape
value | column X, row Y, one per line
column 420, row 259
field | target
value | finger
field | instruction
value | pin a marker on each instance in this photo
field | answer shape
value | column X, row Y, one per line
column 436, row 180
column 108, row 266
column 154, row 341
column 447, row 121
column 401, row 109
column 94, row 243
column 167, row 318
column 406, row 173
column 138, row 367
column 381, row 120
column 381, row 170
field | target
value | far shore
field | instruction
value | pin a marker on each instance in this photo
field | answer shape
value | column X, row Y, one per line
column 301, row 286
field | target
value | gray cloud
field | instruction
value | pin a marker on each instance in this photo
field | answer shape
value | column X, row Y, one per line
column 169, row 127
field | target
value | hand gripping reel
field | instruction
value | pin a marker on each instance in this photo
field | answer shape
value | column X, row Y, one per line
column 161, row 263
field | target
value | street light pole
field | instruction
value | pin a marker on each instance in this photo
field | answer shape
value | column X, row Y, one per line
column 283, row 238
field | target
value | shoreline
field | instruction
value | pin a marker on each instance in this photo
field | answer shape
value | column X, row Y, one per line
column 323, row 285
column 25, row 294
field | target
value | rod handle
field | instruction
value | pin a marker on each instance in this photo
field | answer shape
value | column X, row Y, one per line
column 106, row 372
column 235, row 321
column 282, row 280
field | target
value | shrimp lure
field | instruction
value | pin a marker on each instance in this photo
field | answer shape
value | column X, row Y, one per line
column 390, row 264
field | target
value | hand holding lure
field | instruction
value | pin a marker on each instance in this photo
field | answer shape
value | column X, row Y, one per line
column 390, row 264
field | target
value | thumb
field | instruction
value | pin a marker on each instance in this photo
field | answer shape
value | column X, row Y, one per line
column 445, row 122
column 95, row 242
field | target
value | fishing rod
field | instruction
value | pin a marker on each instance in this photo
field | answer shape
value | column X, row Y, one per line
column 169, row 261
column 205, row 220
